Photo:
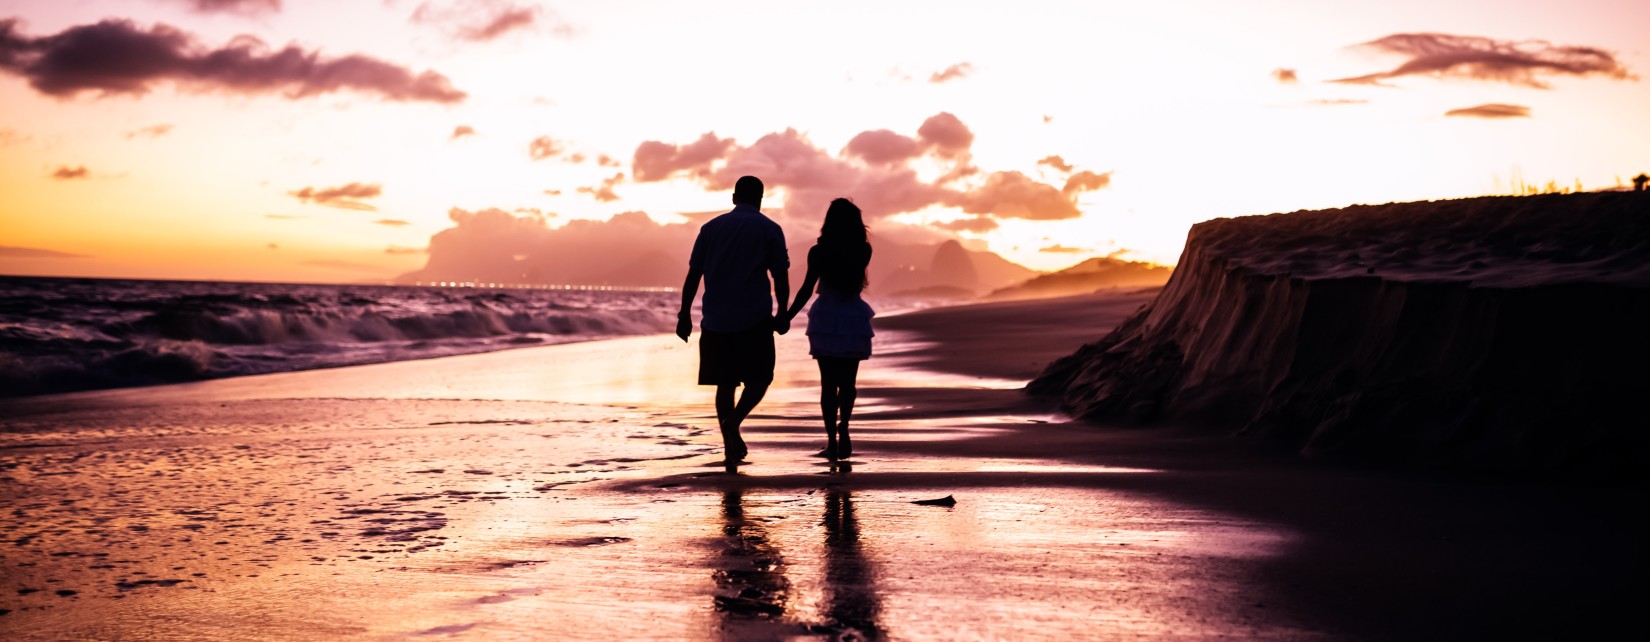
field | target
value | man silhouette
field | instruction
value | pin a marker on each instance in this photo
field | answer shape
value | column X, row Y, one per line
column 735, row 253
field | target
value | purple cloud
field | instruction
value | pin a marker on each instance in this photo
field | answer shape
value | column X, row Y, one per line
column 1516, row 62
column 117, row 57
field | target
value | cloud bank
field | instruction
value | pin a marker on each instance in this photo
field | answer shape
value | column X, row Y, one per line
column 877, row 169
column 1529, row 63
column 118, row 57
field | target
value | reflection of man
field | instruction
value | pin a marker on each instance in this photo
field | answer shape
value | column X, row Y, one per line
column 735, row 253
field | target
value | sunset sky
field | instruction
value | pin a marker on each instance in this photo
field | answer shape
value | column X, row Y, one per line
column 328, row 140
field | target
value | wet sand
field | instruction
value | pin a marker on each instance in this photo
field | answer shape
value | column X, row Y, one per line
column 576, row 492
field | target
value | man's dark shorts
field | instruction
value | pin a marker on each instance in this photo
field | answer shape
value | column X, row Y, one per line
column 731, row 358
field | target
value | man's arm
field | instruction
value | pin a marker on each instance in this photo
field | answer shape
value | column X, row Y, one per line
column 781, row 294
column 684, row 318
column 809, row 281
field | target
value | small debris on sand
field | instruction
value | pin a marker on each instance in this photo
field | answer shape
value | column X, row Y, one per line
column 943, row 501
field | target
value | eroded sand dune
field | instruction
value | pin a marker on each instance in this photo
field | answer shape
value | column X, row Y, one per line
column 1500, row 333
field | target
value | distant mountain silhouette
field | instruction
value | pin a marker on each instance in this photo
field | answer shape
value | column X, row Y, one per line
column 927, row 270
column 1098, row 273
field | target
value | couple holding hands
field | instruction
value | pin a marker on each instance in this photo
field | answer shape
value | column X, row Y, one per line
column 735, row 254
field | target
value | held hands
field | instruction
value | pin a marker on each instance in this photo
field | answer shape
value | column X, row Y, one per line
column 782, row 323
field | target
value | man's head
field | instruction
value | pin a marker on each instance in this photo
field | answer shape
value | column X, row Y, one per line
column 748, row 191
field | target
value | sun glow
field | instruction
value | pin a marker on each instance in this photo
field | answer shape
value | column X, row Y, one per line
column 1186, row 110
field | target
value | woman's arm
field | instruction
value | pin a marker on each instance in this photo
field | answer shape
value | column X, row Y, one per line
column 807, row 290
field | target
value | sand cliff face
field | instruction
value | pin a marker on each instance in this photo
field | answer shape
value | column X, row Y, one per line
column 1494, row 333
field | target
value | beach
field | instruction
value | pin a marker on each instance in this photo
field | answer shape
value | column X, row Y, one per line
column 577, row 492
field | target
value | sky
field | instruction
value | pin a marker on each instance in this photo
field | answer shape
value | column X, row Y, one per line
column 330, row 140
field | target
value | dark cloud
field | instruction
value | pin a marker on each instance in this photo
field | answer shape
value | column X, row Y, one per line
column 1085, row 181
column 545, row 147
column 11, row 252
column 66, row 173
column 552, row 192
column 607, row 161
column 396, row 249
column 1517, row 62
column 117, row 57
column 391, row 222
column 1492, row 110
column 484, row 20
column 1061, row 249
column 152, row 131
column 1285, row 76
column 657, row 161
column 954, row 72
column 246, row 7
column 880, row 147
column 462, row 131
column 1057, row 163
column 604, row 192
column 273, row 246
column 343, row 197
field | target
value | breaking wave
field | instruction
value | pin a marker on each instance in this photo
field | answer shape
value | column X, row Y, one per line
column 60, row 335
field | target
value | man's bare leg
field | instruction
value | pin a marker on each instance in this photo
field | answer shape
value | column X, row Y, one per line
column 728, row 419
column 731, row 415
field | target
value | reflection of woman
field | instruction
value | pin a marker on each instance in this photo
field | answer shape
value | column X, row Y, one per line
column 839, row 323
column 850, row 602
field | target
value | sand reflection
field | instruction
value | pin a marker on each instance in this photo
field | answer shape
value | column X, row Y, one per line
column 851, row 602
column 755, row 598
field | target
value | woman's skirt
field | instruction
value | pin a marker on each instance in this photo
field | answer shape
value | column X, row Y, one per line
column 840, row 327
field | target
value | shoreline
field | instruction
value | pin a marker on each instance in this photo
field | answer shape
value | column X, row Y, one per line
column 542, row 493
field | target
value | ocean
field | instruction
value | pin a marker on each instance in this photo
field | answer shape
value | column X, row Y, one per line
column 62, row 334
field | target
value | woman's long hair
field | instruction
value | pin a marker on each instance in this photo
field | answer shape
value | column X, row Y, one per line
column 844, row 251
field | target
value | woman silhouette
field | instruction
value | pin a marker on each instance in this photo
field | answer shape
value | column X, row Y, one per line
column 839, row 323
